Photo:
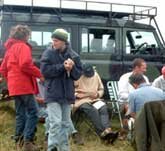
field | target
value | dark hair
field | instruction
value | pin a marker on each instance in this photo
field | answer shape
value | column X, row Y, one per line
column 136, row 79
column 20, row 32
column 88, row 70
column 137, row 62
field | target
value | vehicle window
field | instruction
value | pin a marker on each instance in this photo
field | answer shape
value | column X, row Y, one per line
column 43, row 38
column 98, row 40
column 141, row 42
column 128, row 47
column 84, row 40
column 47, row 38
column 36, row 38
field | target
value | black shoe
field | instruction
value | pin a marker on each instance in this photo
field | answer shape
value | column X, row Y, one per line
column 77, row 139
column 110, row 137
column 54, row 149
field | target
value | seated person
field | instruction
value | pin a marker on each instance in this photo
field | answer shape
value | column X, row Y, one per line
column 143, row 93
column 88, row 90
column 159, row 82
column 139, row 66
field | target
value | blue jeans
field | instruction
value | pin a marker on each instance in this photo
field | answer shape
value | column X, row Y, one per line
column 59, row 120
column 72, row 129
column 26, row 116
column 43, row 113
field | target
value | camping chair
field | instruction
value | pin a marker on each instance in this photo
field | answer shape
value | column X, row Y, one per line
column 80, row 120
column 112, row 87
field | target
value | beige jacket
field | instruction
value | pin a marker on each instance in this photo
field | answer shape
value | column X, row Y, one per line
column 88, row 86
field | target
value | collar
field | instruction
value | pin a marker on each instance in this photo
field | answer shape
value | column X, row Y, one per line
column 144, row 85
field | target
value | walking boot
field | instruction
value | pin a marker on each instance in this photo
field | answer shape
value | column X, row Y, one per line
column 30, row 146
column 77, row 139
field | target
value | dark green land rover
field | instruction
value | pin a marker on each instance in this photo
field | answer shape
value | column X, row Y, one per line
column 106, row 35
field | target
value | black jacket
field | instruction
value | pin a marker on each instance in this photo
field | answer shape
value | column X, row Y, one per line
column 150, row 127
column 59, row 86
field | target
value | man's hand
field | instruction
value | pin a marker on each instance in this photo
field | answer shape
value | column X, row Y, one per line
column 80, row 95
column 70, row 61
column 40, row 100
column 94, row 95
column 1, row 79
column 42, row 79
column 68, row 64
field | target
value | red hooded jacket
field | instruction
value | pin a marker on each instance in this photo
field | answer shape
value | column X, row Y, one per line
column 18, row 68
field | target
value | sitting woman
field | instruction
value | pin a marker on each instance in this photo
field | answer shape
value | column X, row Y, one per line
column 88, row 90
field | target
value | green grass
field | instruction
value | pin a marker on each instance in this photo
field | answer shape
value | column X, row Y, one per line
column 92, row 142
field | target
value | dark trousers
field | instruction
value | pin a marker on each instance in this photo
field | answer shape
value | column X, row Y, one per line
column 26, row 116
column 99, row 118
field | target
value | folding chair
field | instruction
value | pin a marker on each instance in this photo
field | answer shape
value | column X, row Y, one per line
column 112, row 87
column 79, row 118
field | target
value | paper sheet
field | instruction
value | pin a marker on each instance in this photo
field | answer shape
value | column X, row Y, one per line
column 98, row 104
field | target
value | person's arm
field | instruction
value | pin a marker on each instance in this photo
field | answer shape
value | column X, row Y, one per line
column 131, row 105
column 3, row 67
column 79, row 92
column 77, row 69
column 123, row 89
column 39, row 100
column 100, row 90
column 48, row 69
column 156, row 83
column 25, row 62
column 133, row 114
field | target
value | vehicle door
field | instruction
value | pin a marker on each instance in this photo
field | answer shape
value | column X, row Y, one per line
column 142, row 43
column 100, row 46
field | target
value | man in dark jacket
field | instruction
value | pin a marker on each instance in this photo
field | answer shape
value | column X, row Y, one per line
column 60, row 66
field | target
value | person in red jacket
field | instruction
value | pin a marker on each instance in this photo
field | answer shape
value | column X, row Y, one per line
column 20, row 73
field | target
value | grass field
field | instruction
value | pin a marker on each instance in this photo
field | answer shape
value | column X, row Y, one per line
column 92, row 142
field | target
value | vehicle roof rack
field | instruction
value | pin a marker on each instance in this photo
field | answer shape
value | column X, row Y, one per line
column 81, row 7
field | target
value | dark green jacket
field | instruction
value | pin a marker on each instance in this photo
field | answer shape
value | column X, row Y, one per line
column 150, row 127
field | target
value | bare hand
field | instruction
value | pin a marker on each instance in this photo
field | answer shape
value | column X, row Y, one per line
column 94, row 95
column 1, row 79
column 80, row 95
column 40, row 100
column 68, row 64
column 42, row 79
column 70, row 61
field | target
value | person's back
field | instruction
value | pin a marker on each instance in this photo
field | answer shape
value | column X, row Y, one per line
column 144, row 93
column 159, row 82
